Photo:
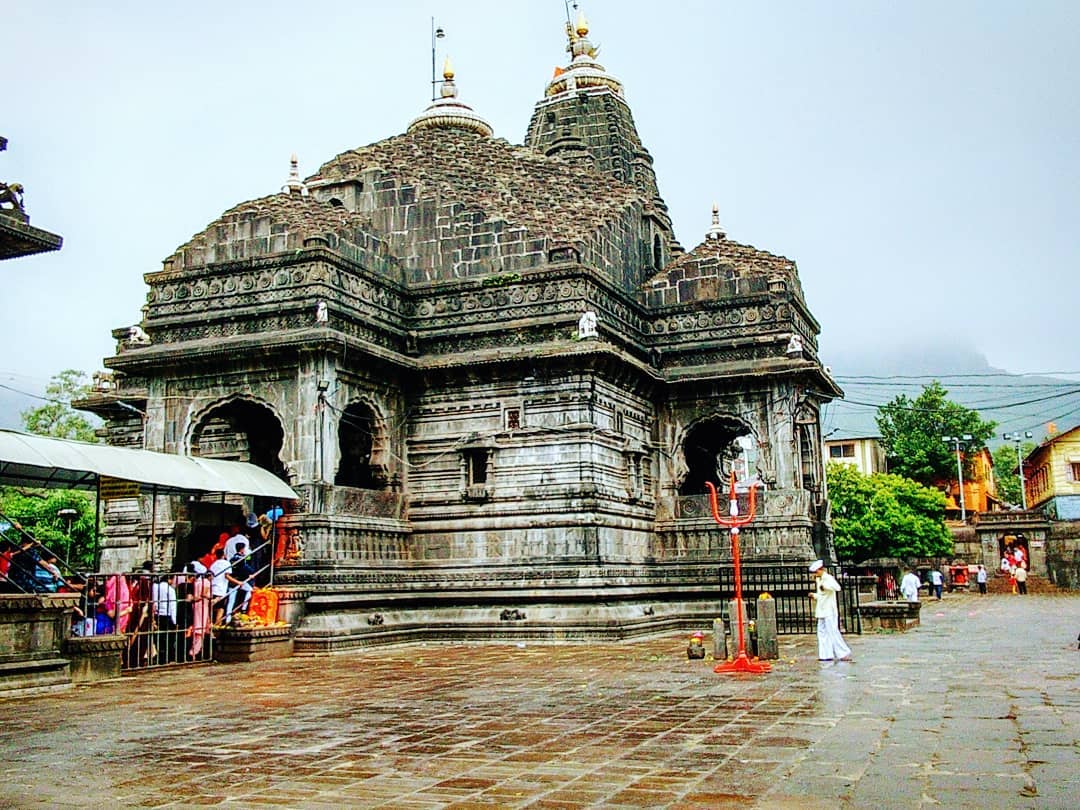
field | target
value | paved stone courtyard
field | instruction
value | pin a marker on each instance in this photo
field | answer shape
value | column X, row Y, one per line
column 980, row 707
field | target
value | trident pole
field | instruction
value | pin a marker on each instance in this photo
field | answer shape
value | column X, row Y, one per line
column 732, row 522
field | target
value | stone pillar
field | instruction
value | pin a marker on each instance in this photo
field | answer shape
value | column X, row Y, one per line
column 120, row 542
column 733, row 635
column 767, row 643
column 719, row 643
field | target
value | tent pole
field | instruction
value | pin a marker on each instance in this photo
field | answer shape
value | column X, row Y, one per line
column 153, row 522
column 97, row 523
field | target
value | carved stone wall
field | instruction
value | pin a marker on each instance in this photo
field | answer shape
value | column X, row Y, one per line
column 411, row 316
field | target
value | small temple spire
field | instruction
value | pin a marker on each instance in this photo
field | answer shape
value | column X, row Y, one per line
column 294, row 185
column 715, row 232
column 448, row 112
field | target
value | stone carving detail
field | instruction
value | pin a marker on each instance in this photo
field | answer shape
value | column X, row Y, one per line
column 512, row 615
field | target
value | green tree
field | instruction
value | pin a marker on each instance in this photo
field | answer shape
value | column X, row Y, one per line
column 912, row 431
column 38, row 512
column 57, row 418
column 1005, row 472
column 885, row 515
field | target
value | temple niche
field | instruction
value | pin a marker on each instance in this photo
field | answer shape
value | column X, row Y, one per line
column 496, row 378
column 714, row 449
column 240, row 430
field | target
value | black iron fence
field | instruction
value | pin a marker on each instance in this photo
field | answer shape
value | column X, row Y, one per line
column 790, row 585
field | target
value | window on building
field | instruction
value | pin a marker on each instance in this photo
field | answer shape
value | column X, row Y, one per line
column 1075, row 470
column 513, row 418
column 619, row 421
column 476, row 466
column 841, row 451
column 658, row 252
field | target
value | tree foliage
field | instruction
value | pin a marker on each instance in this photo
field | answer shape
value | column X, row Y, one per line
column 1005, row 472
column 57, row 418
column 38, row 512
column 912, row 431
column 885, row 515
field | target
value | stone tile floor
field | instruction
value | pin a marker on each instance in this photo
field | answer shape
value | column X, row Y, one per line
column 979, row 707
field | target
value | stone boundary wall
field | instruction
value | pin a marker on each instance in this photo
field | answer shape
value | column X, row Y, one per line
column 1063, row 554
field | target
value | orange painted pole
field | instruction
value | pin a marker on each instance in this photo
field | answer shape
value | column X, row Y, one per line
column 733, row 521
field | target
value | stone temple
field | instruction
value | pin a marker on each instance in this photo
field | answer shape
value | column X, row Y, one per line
column 496, row 378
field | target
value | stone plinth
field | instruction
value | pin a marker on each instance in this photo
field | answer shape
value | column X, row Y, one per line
column 261, row 643
column 94, row 658
column 890, row 615
column 32, row 632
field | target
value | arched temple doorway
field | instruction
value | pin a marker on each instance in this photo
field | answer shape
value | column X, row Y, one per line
column 715, row 447
column 238, row 429
column 241, row 430
column 358, row 443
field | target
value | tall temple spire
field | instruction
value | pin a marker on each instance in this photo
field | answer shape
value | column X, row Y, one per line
column 584, row 108
column 448, row 111
column 583, row 71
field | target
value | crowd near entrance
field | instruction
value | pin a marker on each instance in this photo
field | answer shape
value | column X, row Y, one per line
column 219, row 574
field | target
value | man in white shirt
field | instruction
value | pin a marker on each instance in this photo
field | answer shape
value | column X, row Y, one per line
column 909, row 586
column 830, row 643
column 221, row 576
column 163, row 596
column 936, row 581
column 234, row 541
column 1021, row 575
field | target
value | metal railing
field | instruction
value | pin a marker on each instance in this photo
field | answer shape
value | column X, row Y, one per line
column 165, row 618
column 171, row 617
column 790, row 584
column 28, row 565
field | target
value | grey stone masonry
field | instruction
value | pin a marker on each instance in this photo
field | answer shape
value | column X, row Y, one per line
column 479, row 363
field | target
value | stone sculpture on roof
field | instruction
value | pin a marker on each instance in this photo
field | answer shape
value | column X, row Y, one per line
column 397, row 336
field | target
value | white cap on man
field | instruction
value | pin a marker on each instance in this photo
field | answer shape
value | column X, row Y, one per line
column 816, row 565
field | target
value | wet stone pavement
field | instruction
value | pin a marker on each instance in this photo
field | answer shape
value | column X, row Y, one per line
column 979, row 707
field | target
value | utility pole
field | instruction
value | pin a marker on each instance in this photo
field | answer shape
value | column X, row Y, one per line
column 956, row 440
column 1016, row 437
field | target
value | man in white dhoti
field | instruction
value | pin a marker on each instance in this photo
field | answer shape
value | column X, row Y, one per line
column 830, row 643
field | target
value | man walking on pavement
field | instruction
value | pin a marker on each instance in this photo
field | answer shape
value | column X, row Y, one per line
column 909, row 586
column 1021, row 579
column 936, row 581
column 830, row 643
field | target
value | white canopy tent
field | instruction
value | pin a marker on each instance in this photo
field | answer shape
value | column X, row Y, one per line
column 42, row 461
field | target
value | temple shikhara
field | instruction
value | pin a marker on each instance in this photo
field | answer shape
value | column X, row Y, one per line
column 498, row 381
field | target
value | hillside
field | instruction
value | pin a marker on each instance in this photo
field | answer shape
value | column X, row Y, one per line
column 1016, row 402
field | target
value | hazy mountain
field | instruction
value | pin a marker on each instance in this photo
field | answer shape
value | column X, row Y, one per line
column 1016, row 402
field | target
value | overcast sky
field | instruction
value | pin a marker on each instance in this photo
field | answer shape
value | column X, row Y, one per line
column 918, row 160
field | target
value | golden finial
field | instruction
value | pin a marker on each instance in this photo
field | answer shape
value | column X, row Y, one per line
column 448, row 69
column 582, row 25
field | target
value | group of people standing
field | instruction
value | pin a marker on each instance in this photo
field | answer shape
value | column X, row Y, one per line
column 1014, row 564
column 167, row 618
